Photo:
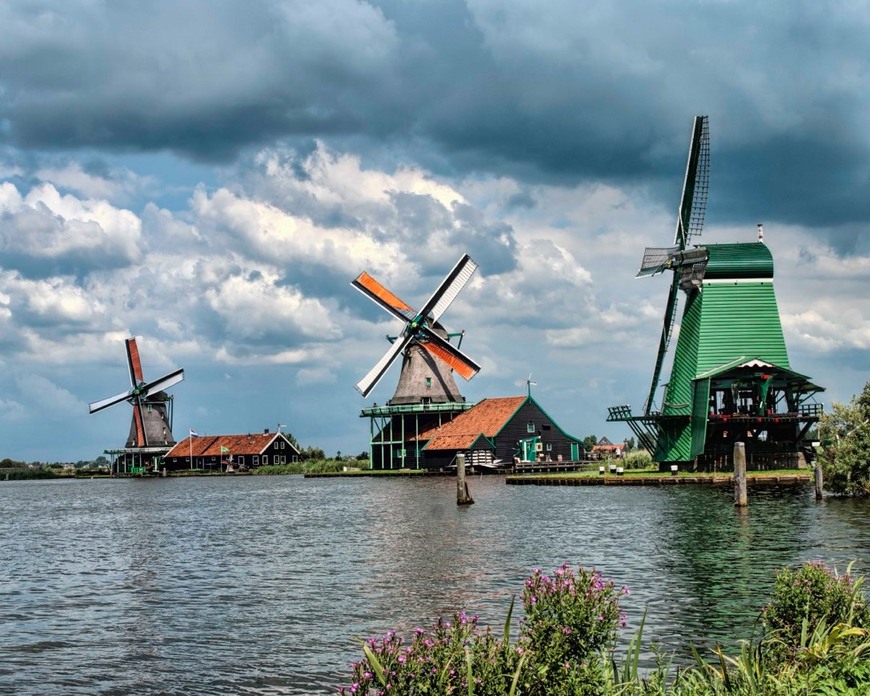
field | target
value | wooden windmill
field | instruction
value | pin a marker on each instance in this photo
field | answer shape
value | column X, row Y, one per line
column 151, row 426
column 730, row 377
column 426, row 394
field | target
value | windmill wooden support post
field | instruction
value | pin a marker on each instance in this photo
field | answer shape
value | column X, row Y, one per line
column 819, row 479
column 740, row 499
column 463, row 497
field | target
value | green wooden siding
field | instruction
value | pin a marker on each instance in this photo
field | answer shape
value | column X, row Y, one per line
column 740, row 319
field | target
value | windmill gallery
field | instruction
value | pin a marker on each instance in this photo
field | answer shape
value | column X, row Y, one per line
column 730, row 380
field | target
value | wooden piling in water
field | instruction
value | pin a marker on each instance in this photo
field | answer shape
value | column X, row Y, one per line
column 463, row 497
column 819, row 480
column 740, row 499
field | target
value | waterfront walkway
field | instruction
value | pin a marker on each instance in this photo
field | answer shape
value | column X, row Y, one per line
column 753, row 479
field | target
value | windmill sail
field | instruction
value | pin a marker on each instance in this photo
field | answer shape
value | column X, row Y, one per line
column 367, row 383
column 450, row 287
column 690, row 221
column 693, row 202
column 378, row 294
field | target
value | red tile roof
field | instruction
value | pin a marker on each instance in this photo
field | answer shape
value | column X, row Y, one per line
column 486, row 418
column 210, row 445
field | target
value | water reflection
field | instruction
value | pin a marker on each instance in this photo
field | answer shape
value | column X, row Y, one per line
column 267, row 584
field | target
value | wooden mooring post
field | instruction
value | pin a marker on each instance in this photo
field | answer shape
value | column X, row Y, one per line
column 740, row 499
column 819, row 479
column 463, row 497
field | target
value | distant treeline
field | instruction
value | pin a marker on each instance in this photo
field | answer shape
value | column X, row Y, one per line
column 99, row 463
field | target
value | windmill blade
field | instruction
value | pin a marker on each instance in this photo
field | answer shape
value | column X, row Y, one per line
column 656, row 260
column 134, row 363
column 450, row 354
column 449, row 288
column 164, row 382
column 693, row 202
column 138, row 420
column 367, row 383
column 95, row 406
column 667, row 328
column 378, row 294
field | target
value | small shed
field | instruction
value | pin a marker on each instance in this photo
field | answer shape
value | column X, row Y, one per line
column 220, row 452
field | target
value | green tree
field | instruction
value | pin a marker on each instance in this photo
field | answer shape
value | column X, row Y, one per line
column 845, row 454
column 313, row 453
column 590, row 441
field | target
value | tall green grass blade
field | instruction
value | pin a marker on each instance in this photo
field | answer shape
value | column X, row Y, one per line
column 516, row 679
column 469, row 676
column 507, row 622
column 377, row 667
column 632, row 658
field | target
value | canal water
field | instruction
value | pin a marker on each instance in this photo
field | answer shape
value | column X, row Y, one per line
column 267, row 585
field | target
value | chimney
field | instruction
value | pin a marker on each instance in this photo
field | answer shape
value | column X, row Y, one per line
column 265, row 431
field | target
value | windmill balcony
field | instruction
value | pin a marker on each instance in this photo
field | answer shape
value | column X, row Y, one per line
column 388, row 410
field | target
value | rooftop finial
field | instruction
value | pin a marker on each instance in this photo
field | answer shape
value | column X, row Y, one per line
column 760, row 232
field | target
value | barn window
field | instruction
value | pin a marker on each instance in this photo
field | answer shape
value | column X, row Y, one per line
column 530, row 427
column 283, row 459
column 428, row 381
column 241, row 459
column 265, row 459
column 546, row 426
column 256, row 459
column 549, row 446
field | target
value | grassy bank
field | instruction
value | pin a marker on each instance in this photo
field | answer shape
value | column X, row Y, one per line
column 813, row 639
column 313, row 466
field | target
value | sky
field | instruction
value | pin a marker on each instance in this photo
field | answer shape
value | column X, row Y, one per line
column 210, row 175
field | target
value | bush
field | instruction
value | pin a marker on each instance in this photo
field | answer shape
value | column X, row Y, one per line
column 806, row 597
column 570, row 619
column 440, row 661
column 637, row 459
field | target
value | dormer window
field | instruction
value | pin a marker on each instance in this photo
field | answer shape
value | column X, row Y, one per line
column 530, row 427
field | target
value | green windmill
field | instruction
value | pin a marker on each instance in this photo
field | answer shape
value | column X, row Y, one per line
column 731, row 379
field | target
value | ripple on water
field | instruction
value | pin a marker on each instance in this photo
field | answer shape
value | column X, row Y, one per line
column 267, row 585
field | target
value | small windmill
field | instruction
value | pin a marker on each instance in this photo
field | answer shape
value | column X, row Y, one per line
column 730, row 379
column 421, row 328
column 152, row 424
column 426, row 394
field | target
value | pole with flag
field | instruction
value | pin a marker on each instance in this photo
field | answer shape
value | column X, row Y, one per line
column 193, row 434
column 224, row 450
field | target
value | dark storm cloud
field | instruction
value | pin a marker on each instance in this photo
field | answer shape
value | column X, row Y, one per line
column 543, row 94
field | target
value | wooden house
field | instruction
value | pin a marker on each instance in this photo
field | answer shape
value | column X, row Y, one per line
column 605, row 449
column 218, row 452
column 497, row 432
